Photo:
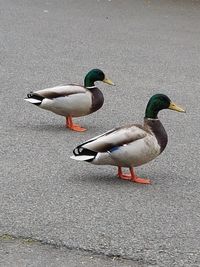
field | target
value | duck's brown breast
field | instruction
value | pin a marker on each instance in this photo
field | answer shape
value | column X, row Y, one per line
column 97, row 99
column 159, row 132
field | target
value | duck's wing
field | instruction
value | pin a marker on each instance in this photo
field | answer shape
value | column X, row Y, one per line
column 60, row 91
column 115, row 138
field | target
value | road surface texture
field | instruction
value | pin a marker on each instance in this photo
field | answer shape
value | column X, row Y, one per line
column 73, row 213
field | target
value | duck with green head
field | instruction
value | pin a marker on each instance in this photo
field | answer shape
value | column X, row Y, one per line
column 72, row 100
column 130, row 146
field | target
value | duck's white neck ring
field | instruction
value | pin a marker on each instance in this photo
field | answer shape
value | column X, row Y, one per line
column 90, row 87
column 151, row 119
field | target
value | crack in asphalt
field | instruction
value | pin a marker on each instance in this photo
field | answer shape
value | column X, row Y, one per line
column 31, row 240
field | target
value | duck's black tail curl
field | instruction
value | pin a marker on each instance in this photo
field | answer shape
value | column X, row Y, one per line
column 84, row 154
column 34, row 98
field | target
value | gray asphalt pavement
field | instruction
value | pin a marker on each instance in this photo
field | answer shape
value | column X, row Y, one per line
column 145, row 47
column 27, row 252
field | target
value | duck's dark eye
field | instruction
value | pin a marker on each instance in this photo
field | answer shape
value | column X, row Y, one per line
column 100, row 74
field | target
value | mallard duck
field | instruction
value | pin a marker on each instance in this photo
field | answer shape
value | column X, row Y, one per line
column 72, row 100
column 130, row 146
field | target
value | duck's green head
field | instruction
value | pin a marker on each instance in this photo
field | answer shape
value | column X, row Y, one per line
column 96, row 75
column 158, row 102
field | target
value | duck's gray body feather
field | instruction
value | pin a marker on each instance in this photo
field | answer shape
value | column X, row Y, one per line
column 128, row 146
column 73, row 100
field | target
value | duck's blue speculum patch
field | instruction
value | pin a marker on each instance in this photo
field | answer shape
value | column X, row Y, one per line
column 114, row 149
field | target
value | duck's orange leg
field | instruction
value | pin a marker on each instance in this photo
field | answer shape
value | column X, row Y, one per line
column 132, row 177
column 123, row 176
column 72, row 126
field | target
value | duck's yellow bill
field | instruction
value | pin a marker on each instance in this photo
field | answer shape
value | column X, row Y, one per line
column 173, row 106
column 108, row 81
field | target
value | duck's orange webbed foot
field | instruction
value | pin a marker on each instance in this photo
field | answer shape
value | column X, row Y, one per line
column 132, row 177
column 77, row 128
column 72, row 126
column 137, row 179
column 141, row 180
